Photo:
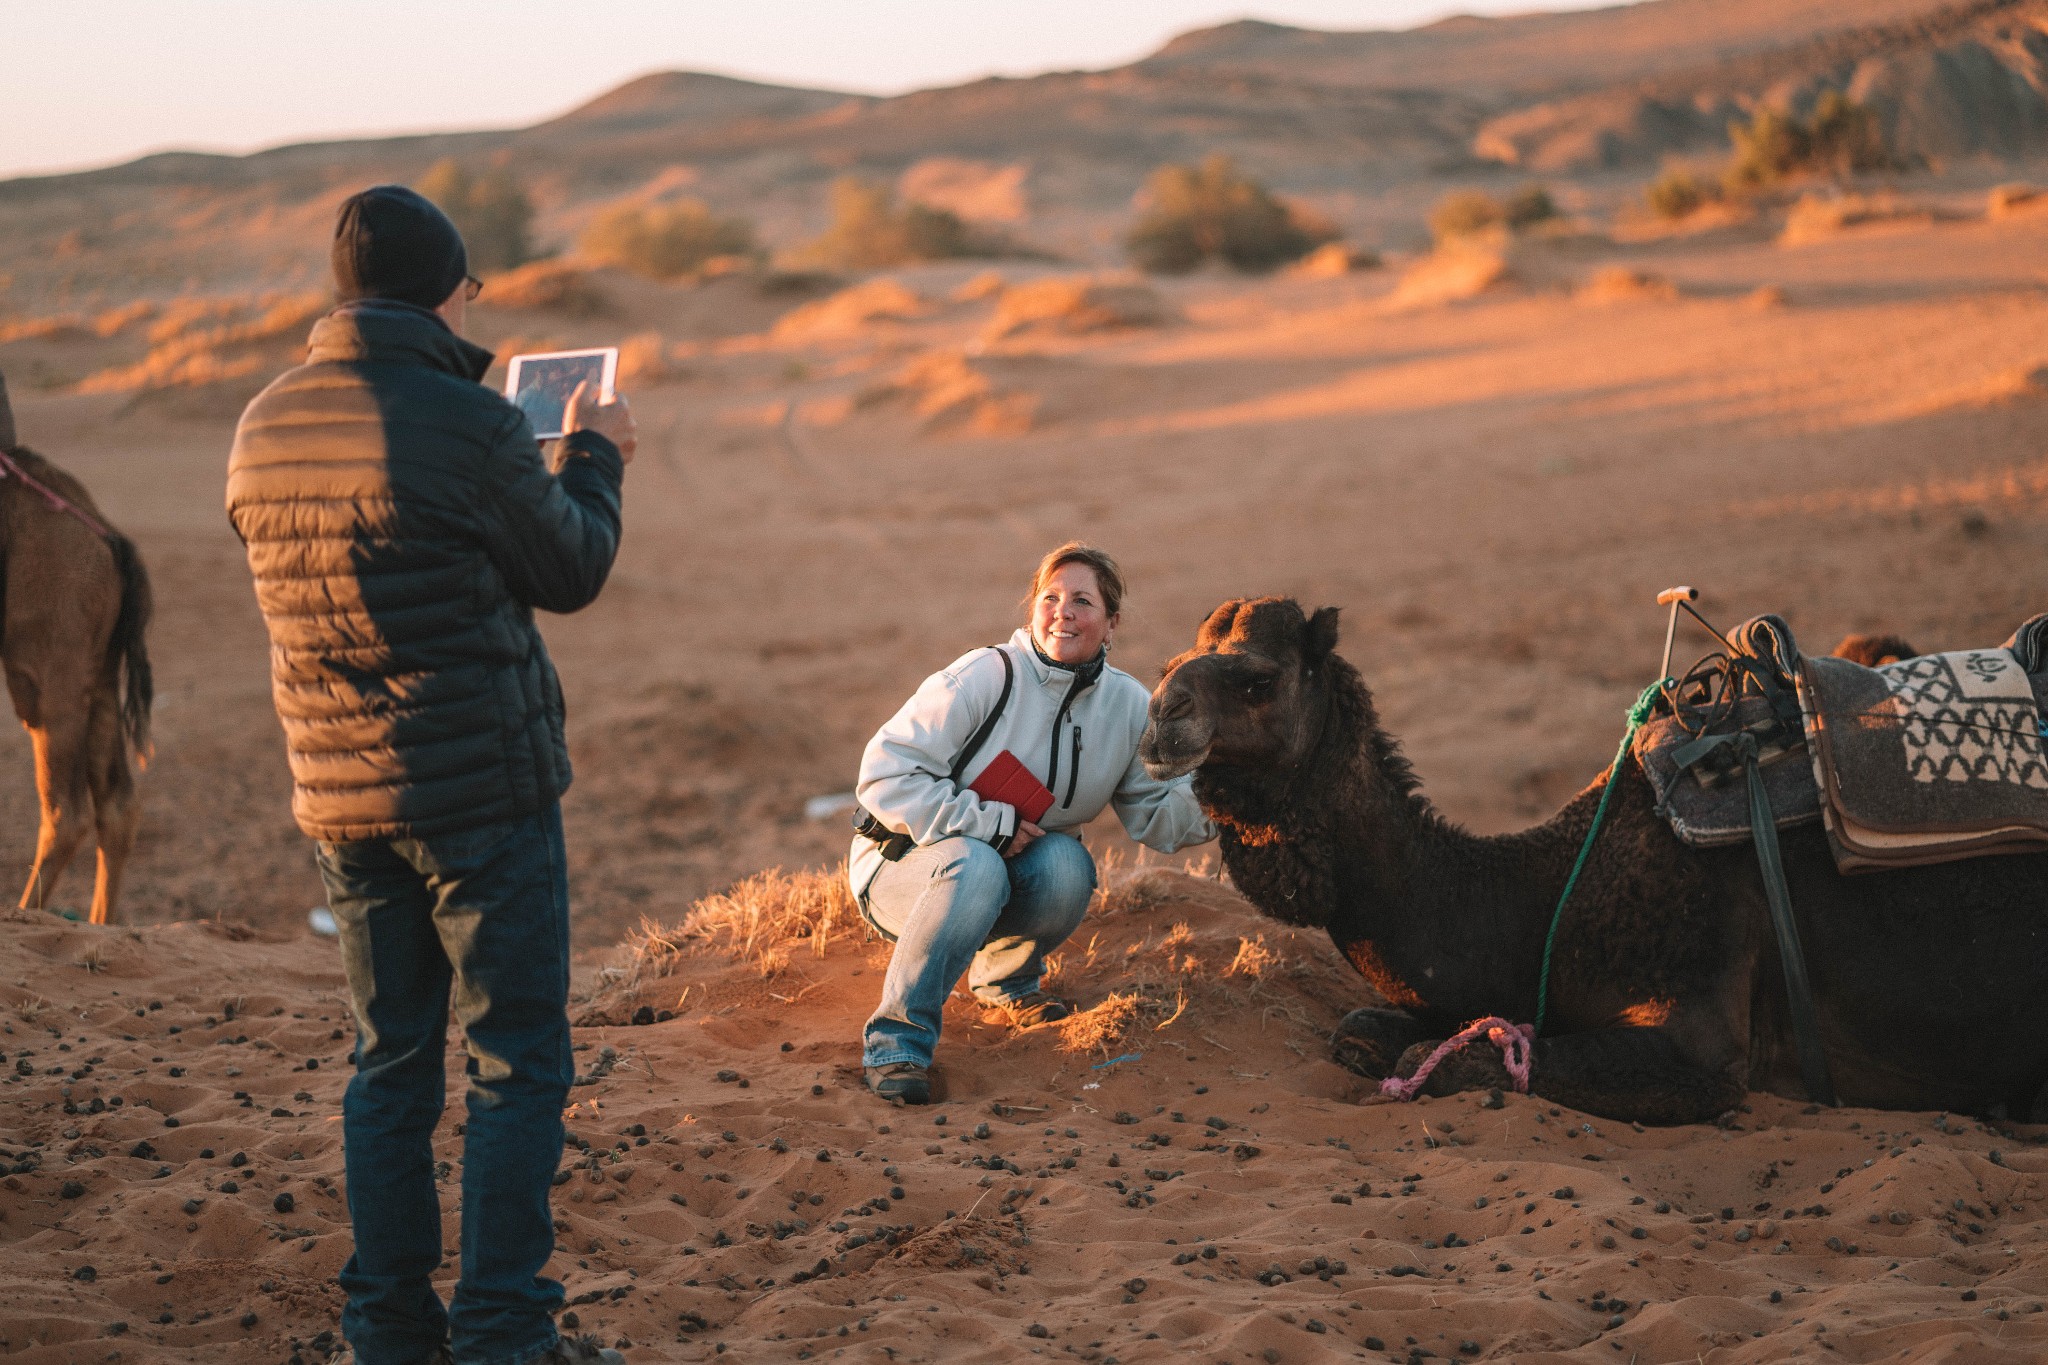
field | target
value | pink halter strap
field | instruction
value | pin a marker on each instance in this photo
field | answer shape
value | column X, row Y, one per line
column 1515, row 1042
column 10, row 467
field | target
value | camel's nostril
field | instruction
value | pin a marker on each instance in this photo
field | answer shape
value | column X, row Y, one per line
column 1175, row 706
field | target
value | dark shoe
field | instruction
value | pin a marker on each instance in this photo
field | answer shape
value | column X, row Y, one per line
column 1029, row 1011
column 901, row 1082
column 580, row 1351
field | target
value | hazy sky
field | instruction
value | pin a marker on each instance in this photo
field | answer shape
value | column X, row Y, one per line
column 99, row 81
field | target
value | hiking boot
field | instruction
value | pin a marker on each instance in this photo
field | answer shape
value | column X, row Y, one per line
column 901, row 1082
column 1029, row 1011
column 583, row 1350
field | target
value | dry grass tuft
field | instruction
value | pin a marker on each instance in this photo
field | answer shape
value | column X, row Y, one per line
column 1816, row 217
column 1619, row 284
column 1334, row 260
column 1253, row 958
column 955, row 397
column 761, row 920
column 546, row 287
column 1140, row 889
column 645, row 358
column 2007, row 201
column 1102, row 1028
column 1462, row 268
column 1073, row 305
column 196, row 342
column 62, row 327
column 852, row 311
column 987, row 285
column 115, row 321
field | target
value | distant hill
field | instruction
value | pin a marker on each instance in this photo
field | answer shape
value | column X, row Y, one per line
column 1367, row 124
column 1959, row 81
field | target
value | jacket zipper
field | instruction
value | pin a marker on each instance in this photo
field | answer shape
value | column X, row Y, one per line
column 1052, row 763
column 1074, row 776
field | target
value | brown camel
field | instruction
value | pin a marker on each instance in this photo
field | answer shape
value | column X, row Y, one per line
column 1874, row 651
column 1666, row 1000
column 76, row 605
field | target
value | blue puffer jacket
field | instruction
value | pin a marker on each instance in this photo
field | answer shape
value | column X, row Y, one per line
column 402, row 526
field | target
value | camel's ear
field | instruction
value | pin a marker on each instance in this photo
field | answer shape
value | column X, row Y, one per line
column 1216, row 625
column 1321, row 637
column 6, row 418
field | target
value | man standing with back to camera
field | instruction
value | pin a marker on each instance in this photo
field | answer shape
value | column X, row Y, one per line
column 402, row 526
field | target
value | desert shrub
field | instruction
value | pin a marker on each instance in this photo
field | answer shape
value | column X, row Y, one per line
column 1678, row 193
column 664, row 241
column 1465, row 213
column 1842, row 138
column 1529, row 206
column 491, row 211
column 1845, row 138
column 872, row 231
column 1196, row 213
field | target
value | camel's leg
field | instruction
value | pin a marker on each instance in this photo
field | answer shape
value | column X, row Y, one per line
column 1639, row 1074
column 116, row 811
column 64, row 789
column 1371, row 1041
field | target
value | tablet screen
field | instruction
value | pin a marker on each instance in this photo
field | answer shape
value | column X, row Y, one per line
column 540, row 384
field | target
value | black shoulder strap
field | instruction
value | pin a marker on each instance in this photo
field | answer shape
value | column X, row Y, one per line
column 980, row 736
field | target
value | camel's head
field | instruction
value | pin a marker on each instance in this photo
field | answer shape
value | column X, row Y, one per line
column 1245, row 695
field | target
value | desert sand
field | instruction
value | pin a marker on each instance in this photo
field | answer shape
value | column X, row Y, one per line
column 1492, row 477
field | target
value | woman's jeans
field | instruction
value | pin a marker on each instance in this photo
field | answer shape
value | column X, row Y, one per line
column 959, row 906
column 483, row 914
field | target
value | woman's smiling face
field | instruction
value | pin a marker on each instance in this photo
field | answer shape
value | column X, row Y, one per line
column 1068, row 621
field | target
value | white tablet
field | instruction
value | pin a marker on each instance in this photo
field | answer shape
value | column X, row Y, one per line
column 540, row 384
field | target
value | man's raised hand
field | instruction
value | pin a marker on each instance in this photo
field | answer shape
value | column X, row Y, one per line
column 613, row 420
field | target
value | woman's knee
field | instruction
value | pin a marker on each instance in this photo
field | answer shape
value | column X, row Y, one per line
column 1062, row 874
column 1071, row 864
column 978, row 869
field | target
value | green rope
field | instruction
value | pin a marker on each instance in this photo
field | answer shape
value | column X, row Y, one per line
column 1637, row 714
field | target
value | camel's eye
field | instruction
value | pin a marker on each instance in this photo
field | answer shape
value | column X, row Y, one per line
column 1258, row 689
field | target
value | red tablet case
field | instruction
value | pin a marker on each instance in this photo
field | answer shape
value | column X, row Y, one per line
column 1007, row 780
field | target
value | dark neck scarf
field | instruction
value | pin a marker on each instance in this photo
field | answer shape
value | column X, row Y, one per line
column 1085, row 674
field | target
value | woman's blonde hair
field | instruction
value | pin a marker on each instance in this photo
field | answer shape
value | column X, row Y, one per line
column 1107, row 575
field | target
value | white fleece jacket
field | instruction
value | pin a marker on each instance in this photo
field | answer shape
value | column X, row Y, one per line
column 1083, row 747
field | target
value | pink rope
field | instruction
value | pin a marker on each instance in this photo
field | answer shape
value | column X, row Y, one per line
column 50, row 495
column 1515, row 1042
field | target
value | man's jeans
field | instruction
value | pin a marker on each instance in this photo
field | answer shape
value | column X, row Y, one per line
column 958, row 903
column 486, row 912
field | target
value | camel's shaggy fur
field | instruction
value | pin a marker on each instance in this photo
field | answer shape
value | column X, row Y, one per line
column 1666, row 999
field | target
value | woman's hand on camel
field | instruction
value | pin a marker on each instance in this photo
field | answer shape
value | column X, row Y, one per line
column 1022, row 839
column 613, row 420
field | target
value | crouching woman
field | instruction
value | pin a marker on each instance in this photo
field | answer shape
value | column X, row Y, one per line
column 971, row 800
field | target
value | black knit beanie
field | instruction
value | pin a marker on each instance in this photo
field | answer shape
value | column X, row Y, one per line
column 392, row 243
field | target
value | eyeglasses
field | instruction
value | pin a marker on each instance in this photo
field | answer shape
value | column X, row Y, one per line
column 471, row 287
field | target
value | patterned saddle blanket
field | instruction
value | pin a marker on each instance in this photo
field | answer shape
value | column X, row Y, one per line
column 1926, row 760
